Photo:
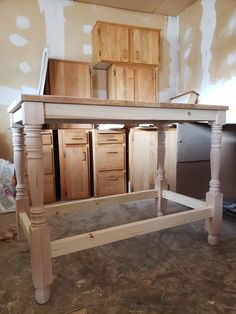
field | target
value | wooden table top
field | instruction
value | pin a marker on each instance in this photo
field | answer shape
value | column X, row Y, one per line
column 106, row 102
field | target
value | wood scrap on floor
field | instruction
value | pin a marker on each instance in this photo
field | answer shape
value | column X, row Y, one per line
column 78, row 311
column 9, row 234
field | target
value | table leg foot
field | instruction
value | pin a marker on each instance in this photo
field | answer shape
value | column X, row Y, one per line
column 212, row 240
column 42, row 295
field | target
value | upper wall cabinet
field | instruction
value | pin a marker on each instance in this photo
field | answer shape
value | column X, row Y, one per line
column 68, row 78
column 116, row 43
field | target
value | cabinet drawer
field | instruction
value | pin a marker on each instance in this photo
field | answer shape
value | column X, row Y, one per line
column 110, row 182
column 110, row 157
column 47, row 139
column 48, row 159
column 75, row 137
column 110, row 138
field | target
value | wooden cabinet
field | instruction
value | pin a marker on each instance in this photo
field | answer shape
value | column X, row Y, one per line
column 143, row 159
column 69, row 78
column 49, row 167
column 131, row 82
column 117, row 43
column 74, row 164
column 109, row 162
column 187, row 157
column 144, row 47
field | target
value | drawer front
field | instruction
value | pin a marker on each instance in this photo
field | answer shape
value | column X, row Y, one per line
column 108, row 138
column 75, row 137
column 110, row 157
column 110, row 183
column 47, row 139
column 48, row 159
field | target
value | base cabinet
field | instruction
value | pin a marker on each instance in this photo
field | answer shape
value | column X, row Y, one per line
column 187, row 166
column 109, row 162
column 74, row 164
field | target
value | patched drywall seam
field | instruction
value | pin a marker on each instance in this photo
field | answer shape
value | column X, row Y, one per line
column 208, row 24
column 54, row 21
column 172, row 35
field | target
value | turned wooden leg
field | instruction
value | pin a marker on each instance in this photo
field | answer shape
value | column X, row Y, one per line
column 161, row 183
column 39, row 230
column 214, row 198
column 22, row 200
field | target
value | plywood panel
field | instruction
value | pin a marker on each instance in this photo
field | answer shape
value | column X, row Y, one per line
column 69, row 78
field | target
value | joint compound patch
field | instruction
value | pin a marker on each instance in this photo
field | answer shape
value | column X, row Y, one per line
column 87, row 49
column 18, row 40
column 23, row 22
column 87, row 28
column 24, row 67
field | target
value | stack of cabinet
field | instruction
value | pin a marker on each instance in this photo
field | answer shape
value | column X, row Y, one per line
column 131, row 55
column 109, row 162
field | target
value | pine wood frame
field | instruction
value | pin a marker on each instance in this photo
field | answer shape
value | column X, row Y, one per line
column 31, row 112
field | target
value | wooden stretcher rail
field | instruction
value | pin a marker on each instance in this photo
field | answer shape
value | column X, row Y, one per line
column 92, row 203
column 25, row 225
column 183, row 200
column 101, row 237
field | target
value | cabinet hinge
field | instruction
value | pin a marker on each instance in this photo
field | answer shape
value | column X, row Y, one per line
column 100, row 53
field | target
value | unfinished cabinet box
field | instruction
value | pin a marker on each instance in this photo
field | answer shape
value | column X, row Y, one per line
column 69, row 78
column 187, row 157
column 143, row 159
column 117, row 43
column 132, row 82
column 74, row 164
column 49, row 168
column 109, row 162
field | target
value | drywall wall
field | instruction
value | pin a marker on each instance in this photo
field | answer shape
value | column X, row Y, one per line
column 207, row 52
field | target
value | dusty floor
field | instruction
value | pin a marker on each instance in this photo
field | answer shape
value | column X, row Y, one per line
column 171, row 271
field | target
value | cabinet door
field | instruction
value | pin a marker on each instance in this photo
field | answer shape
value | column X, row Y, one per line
column 145, row 84
column 69, row 78
column 121, row 82
column 113, row 42
column 75, row 172
column 145, row 45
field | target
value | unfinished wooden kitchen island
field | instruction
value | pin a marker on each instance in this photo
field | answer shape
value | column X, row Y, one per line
column 30, row 112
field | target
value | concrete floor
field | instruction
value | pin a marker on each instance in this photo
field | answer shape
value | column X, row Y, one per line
column 170, row 271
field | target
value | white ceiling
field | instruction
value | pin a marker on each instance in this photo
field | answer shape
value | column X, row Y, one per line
column 166, row 7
